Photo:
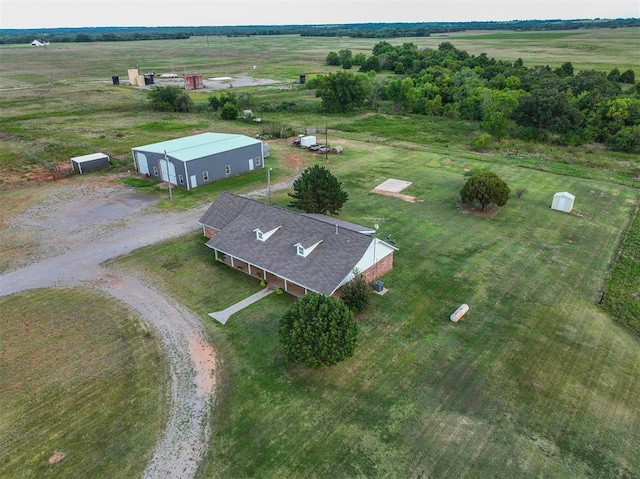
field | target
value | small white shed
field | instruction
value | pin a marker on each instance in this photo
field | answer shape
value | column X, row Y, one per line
column 92, row 162
column 563, row 201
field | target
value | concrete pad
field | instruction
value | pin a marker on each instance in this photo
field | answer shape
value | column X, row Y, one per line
column 224, row 315
column 393, row 186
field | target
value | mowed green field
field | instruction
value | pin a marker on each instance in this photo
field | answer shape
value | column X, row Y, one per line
column 82, row 377
column 536, row 381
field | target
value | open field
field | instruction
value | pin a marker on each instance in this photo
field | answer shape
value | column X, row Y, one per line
column 58, row 101
column 89, row 385
column 536, row 381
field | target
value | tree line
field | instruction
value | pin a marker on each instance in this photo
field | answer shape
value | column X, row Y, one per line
column 507, row 98
column 354, row 30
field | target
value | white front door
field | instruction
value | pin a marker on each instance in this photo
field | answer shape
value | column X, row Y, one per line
column 250, row 164
column 194, row 181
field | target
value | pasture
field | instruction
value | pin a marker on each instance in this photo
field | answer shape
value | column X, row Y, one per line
column 537, row 380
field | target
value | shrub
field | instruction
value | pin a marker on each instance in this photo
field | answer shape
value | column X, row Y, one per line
column 355, row 294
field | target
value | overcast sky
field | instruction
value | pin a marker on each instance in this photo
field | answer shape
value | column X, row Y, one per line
column 96, row 13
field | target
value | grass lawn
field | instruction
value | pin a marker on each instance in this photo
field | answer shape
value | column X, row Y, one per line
column 82, row 376
column 537, row 380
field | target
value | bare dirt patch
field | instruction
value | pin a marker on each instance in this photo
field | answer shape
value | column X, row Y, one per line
column 294, row 160
column 204, row 360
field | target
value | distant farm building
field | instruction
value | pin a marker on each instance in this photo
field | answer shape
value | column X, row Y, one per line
column 563, row 201
column 92, row 162
column 193, row 82
column 199, row 159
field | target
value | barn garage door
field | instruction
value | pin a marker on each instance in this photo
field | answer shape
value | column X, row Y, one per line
column 172, row 172
column 143, row 166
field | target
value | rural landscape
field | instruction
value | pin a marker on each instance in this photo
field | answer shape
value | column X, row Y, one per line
column 111, row 365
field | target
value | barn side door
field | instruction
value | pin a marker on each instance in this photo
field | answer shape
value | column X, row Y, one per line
column 250, row 164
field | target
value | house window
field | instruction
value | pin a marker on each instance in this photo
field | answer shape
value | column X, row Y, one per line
column 205, row 175
column 181, row 179
column 301, row 250
column 259, row 235
column 257, row 161
column 155, row 171
column 227, row 169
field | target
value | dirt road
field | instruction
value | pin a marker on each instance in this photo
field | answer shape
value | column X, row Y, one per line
column 80, row 226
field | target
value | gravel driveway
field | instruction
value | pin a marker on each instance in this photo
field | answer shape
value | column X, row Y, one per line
column 78, row 227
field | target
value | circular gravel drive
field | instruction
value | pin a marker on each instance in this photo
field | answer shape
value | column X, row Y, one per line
column 78, row 227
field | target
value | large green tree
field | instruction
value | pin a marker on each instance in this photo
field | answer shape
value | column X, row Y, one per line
column 548, row 109
column 485, row 188
column 318, row 191
column 317, row 331
column 342, row 91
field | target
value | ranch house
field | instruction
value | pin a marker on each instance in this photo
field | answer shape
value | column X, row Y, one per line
column 296, row 252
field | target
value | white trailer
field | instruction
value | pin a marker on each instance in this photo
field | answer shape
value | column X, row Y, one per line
column 307, row 141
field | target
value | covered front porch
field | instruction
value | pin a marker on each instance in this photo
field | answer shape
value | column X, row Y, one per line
column 274, row 281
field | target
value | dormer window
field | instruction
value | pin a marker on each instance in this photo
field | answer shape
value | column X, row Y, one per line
column 304, row 248
column 264, row 235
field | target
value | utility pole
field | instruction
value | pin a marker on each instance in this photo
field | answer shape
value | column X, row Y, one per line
column 375, row 261
column 326, row 142
column 166, row 158
column 269, row 184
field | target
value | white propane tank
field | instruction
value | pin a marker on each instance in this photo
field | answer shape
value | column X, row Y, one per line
column 459, row 313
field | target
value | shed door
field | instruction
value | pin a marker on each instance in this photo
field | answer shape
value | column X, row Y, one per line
column 143, row 166
column 250, row 164
column 561, row 202
column 194, row 181
column 172, row 172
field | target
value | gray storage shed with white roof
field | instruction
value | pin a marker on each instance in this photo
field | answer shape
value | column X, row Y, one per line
column 85, row 163
column 199, row 159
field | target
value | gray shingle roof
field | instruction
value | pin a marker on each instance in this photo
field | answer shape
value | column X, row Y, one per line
column 322, row 271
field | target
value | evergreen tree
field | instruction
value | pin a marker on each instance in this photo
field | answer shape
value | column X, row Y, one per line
column 317, row 331
column 485, row 188
column 318, row 191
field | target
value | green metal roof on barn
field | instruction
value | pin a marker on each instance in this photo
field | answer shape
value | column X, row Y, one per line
column 196, row 146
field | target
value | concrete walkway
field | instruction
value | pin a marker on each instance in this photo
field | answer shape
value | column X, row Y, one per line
column 225, row 314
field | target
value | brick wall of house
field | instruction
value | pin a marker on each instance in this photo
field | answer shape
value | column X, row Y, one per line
column 210, row 232
column 377, row 270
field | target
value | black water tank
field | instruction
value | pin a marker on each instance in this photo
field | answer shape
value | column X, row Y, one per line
column 303, row 79
column 115, row 80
